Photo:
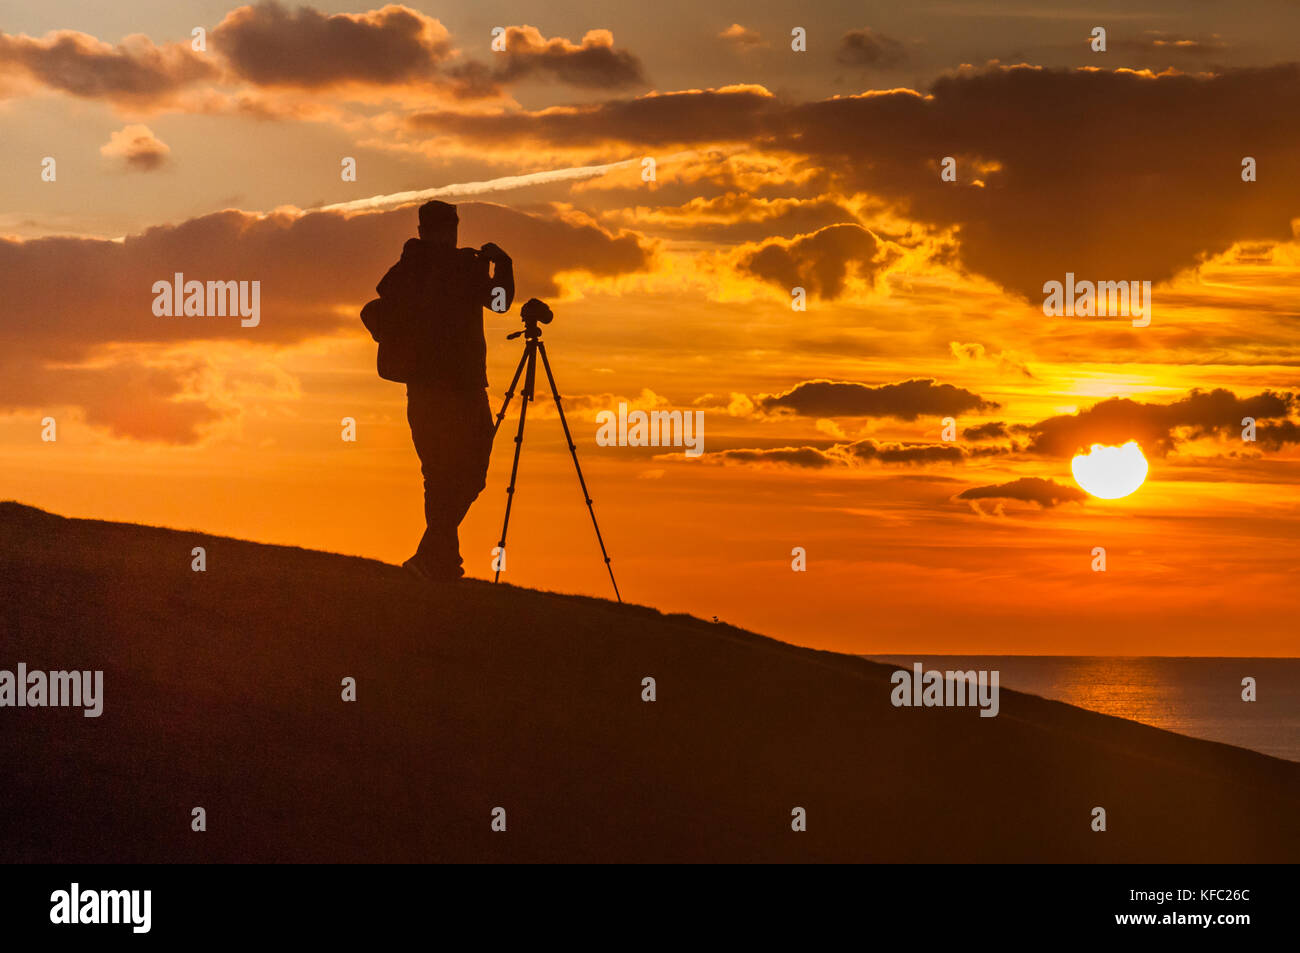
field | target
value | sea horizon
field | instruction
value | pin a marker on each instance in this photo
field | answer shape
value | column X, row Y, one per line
column 1198, row 696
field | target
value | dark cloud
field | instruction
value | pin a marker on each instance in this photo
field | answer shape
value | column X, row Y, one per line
column 1274, row 435
column 471, row 79
column 66, row 295
column 866, row 47
column 593, row 63
column 1116, row 145
column 809, row 457
column 1158, row 428
column 989, row 431
column 137, row 147
column 869, row 450
column 543, row 247
column 819, row 263
column 1046, row 493
column 135, row 72
column 738, row 114
column 272, row 46
column 71, row 304
column 1132, row 159
column 855, row 454
column 905, row 400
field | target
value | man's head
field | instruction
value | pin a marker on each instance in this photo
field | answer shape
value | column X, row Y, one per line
column 438, row 222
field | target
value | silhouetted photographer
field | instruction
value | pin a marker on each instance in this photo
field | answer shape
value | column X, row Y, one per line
column 428, row 321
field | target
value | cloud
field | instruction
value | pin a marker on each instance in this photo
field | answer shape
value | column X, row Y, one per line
column 975, row 353
column 138, row 147
column 736, row 404
column 870, row 450
column 808, row 457
column 820, row 262
column 1275, row 435
column 79, row 320
column 1159, row 428
column 157, row 400
column 905, row 400
column 734, row 216
column 731, row 114
column 858, row 453
column 133, row 73
column 593, row 63
column 391, row 49
column 989, row 431
column 742, row 37
column 66, row 295
column 868, row 48
column 269, row 45
column 545, row 247
column 1133, row 160
column 1046, row 493
column 1159, row 41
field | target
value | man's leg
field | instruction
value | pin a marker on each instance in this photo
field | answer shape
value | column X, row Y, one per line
column 468, row 474
column 433, row 434
column 453, row 438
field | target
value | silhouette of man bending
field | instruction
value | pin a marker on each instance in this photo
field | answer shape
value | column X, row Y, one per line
column 428, row 321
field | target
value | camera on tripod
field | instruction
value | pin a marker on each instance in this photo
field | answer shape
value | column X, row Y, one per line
column 535, row 312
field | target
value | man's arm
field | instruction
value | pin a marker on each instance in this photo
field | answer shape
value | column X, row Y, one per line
column 503, row 276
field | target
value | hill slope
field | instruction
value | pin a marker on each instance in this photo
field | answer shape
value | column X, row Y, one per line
column 222, row 690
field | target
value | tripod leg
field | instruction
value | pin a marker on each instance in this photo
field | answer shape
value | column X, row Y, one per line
column 573, row 452
column 530, row 356
column 510, row 392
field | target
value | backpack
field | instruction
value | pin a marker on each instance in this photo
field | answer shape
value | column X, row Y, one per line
column 396, row 359
column 410, row 318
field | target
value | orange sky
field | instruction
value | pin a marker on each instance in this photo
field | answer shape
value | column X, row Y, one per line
column 772, row 169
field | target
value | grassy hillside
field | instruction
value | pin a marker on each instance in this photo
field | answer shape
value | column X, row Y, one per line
column 222, row 690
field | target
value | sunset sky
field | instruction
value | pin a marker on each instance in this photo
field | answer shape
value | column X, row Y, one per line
column 773, row 169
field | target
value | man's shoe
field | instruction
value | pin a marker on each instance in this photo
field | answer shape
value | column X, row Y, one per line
column 425, row 574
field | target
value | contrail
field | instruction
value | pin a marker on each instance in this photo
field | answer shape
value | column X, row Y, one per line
column 397, row 199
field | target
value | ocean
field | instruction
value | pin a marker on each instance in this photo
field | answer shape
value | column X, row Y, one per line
column 1200, row 697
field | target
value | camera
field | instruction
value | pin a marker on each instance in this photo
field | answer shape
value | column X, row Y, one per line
column 536, row 311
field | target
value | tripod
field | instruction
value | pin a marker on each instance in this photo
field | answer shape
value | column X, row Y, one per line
column 533, row 346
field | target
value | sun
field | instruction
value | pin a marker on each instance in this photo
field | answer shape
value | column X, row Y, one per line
column 1110, row 472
